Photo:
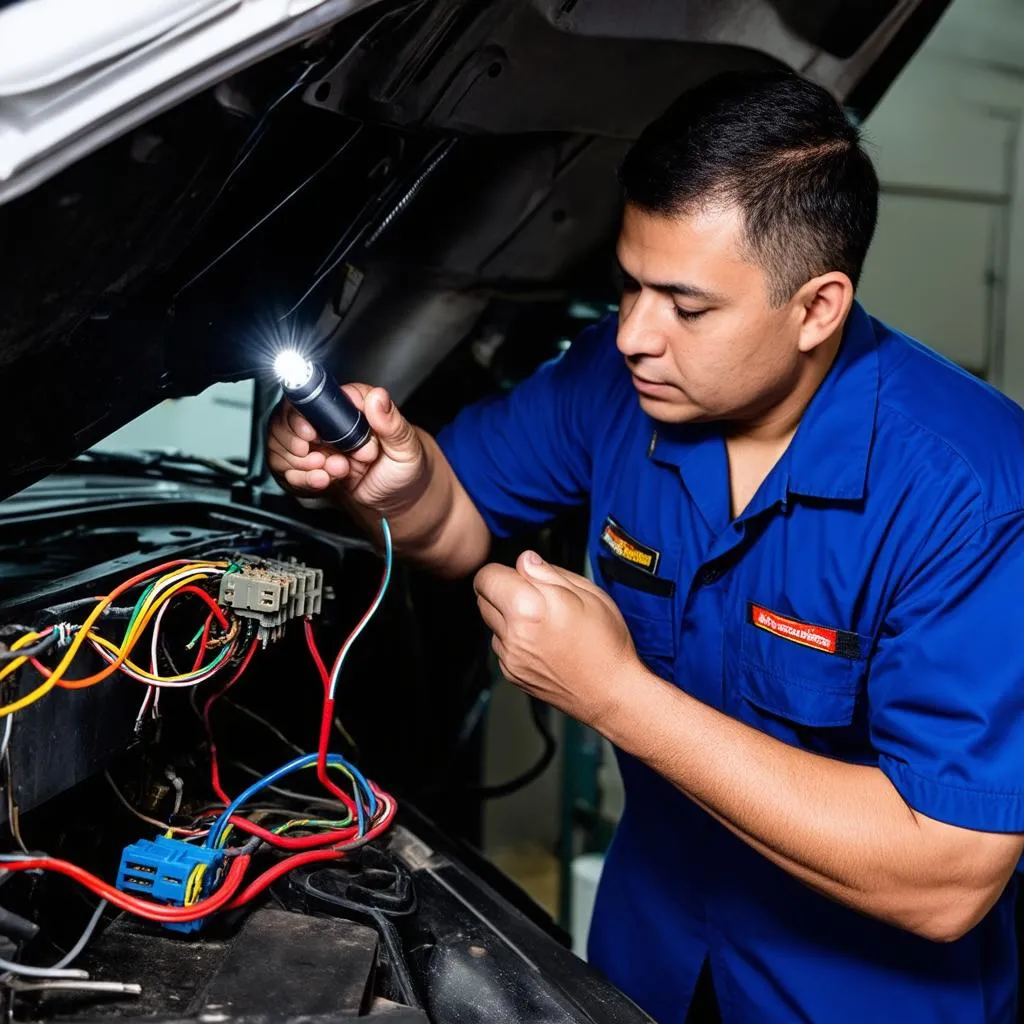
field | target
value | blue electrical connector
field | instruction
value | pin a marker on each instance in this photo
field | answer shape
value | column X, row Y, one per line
column 170, row 871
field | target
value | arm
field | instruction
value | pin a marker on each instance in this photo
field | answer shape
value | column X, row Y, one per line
column 843, row 829
column 440, row 528
column 926, row 841
column 401, row 474
column 500, row 466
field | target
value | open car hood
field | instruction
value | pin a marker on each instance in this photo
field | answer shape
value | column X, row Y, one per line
column 184, row 184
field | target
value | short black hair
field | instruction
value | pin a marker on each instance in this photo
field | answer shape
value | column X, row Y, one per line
column 782, row 150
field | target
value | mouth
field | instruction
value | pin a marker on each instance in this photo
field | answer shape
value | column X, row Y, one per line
column 650, row 387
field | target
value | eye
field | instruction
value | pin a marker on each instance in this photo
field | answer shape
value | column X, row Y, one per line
column 689, row 315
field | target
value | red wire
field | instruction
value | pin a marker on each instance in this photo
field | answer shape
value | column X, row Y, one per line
column 214, row 766
column 315, row 653
column 326, row 720
column 203, row 641
column 134, row 905
column 78, row 684
column 271, row 875
column 337, row 835
column 215, row 608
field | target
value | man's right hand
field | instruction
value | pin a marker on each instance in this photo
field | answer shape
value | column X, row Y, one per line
column 387, row 475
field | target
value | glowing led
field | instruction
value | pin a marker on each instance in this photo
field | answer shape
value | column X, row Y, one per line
column 293, row 368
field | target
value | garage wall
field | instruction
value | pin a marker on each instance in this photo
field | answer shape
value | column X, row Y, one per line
column 948, row 261
column 215, row 424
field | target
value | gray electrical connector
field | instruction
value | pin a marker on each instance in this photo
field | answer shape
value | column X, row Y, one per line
column 271, row 592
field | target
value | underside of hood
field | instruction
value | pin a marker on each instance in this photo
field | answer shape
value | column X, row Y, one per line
column 186, row 186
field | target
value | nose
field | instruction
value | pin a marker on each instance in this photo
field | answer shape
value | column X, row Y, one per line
column 640, row 333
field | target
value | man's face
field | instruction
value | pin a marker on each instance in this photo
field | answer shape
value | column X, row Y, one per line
column 696, row 324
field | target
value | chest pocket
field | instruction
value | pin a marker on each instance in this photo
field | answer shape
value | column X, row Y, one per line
column 796, row 681
column 641, row 580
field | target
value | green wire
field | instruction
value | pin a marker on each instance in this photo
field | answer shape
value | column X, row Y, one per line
column 192, row 642
column 135, row 613
column 332, row 824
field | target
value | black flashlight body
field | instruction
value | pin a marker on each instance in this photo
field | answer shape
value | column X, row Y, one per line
column 330, row 411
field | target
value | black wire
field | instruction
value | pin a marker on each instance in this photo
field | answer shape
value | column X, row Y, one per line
column 538, row 712
column 33, row 650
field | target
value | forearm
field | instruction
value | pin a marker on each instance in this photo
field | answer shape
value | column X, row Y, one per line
column 438, row 527
column 842, row 829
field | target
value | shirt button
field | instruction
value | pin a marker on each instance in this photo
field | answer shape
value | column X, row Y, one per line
column 712, row 574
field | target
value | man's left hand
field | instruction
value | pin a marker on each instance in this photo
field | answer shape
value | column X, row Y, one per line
column 557, row 636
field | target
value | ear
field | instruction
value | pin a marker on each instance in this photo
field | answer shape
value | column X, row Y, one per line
column 825, row 302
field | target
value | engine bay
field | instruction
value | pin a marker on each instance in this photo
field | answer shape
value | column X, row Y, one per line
column 189, row 805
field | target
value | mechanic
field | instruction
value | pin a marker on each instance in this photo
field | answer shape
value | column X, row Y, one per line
column 807, row 642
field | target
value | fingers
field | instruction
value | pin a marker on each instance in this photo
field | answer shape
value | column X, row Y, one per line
column 301, row 481
column 313, row 458
column 492, row 617
column 296, row 459
column 509, row 593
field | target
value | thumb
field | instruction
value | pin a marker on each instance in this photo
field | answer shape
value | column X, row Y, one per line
column 397, row 438
column 533, row 567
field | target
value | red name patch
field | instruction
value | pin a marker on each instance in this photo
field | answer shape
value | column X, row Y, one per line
column 818, row 637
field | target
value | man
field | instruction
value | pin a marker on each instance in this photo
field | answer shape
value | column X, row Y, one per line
column 808, row 535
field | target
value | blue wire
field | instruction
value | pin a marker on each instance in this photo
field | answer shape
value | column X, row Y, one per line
column 279, row 773
column 332, row 759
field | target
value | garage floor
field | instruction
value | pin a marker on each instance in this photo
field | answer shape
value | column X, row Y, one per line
column 534, row 869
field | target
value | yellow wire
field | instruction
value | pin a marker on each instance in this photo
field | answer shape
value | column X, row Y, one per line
column 151, row 605
column 40, row 691
column 126, row 663
column 142, row 620
column 194, row 885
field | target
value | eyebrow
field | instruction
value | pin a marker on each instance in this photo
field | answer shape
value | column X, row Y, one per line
column 681, row 288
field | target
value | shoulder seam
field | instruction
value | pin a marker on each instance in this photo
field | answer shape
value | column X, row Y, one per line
column 960, row 457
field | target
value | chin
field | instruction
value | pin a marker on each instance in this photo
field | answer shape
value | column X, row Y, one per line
column 675, row 410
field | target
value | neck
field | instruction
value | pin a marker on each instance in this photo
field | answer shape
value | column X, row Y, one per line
column 777, row 422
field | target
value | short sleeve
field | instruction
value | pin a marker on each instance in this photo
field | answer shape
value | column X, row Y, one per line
column 946, row 686
column 527, row 455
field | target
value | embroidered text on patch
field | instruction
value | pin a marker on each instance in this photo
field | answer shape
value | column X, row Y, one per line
column 625, row 547
column 818, row 637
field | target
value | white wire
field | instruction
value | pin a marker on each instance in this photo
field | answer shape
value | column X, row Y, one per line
column 28, row 971
column 126, row 988
column 164, row 683
column 6, row 741
column 72, row 954
column 159, row 587
column 339, row 662
column 179, row 788
column 154, row 666
column 162, row 825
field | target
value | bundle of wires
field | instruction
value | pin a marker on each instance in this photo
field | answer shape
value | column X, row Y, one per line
column 368, row 810
column 163, row 582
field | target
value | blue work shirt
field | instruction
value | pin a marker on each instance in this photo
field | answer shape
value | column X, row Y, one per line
column 867, row 605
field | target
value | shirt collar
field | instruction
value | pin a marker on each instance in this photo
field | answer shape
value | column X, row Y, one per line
column 829, row 454
column 828, row 457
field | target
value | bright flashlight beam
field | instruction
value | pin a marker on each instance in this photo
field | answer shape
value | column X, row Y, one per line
column 292, row 368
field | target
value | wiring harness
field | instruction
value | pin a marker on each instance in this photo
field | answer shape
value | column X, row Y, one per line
column 186, row 874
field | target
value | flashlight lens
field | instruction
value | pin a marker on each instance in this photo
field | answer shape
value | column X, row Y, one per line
column 292, row 368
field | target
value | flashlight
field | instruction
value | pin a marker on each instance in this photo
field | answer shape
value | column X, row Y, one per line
column 315, row 393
